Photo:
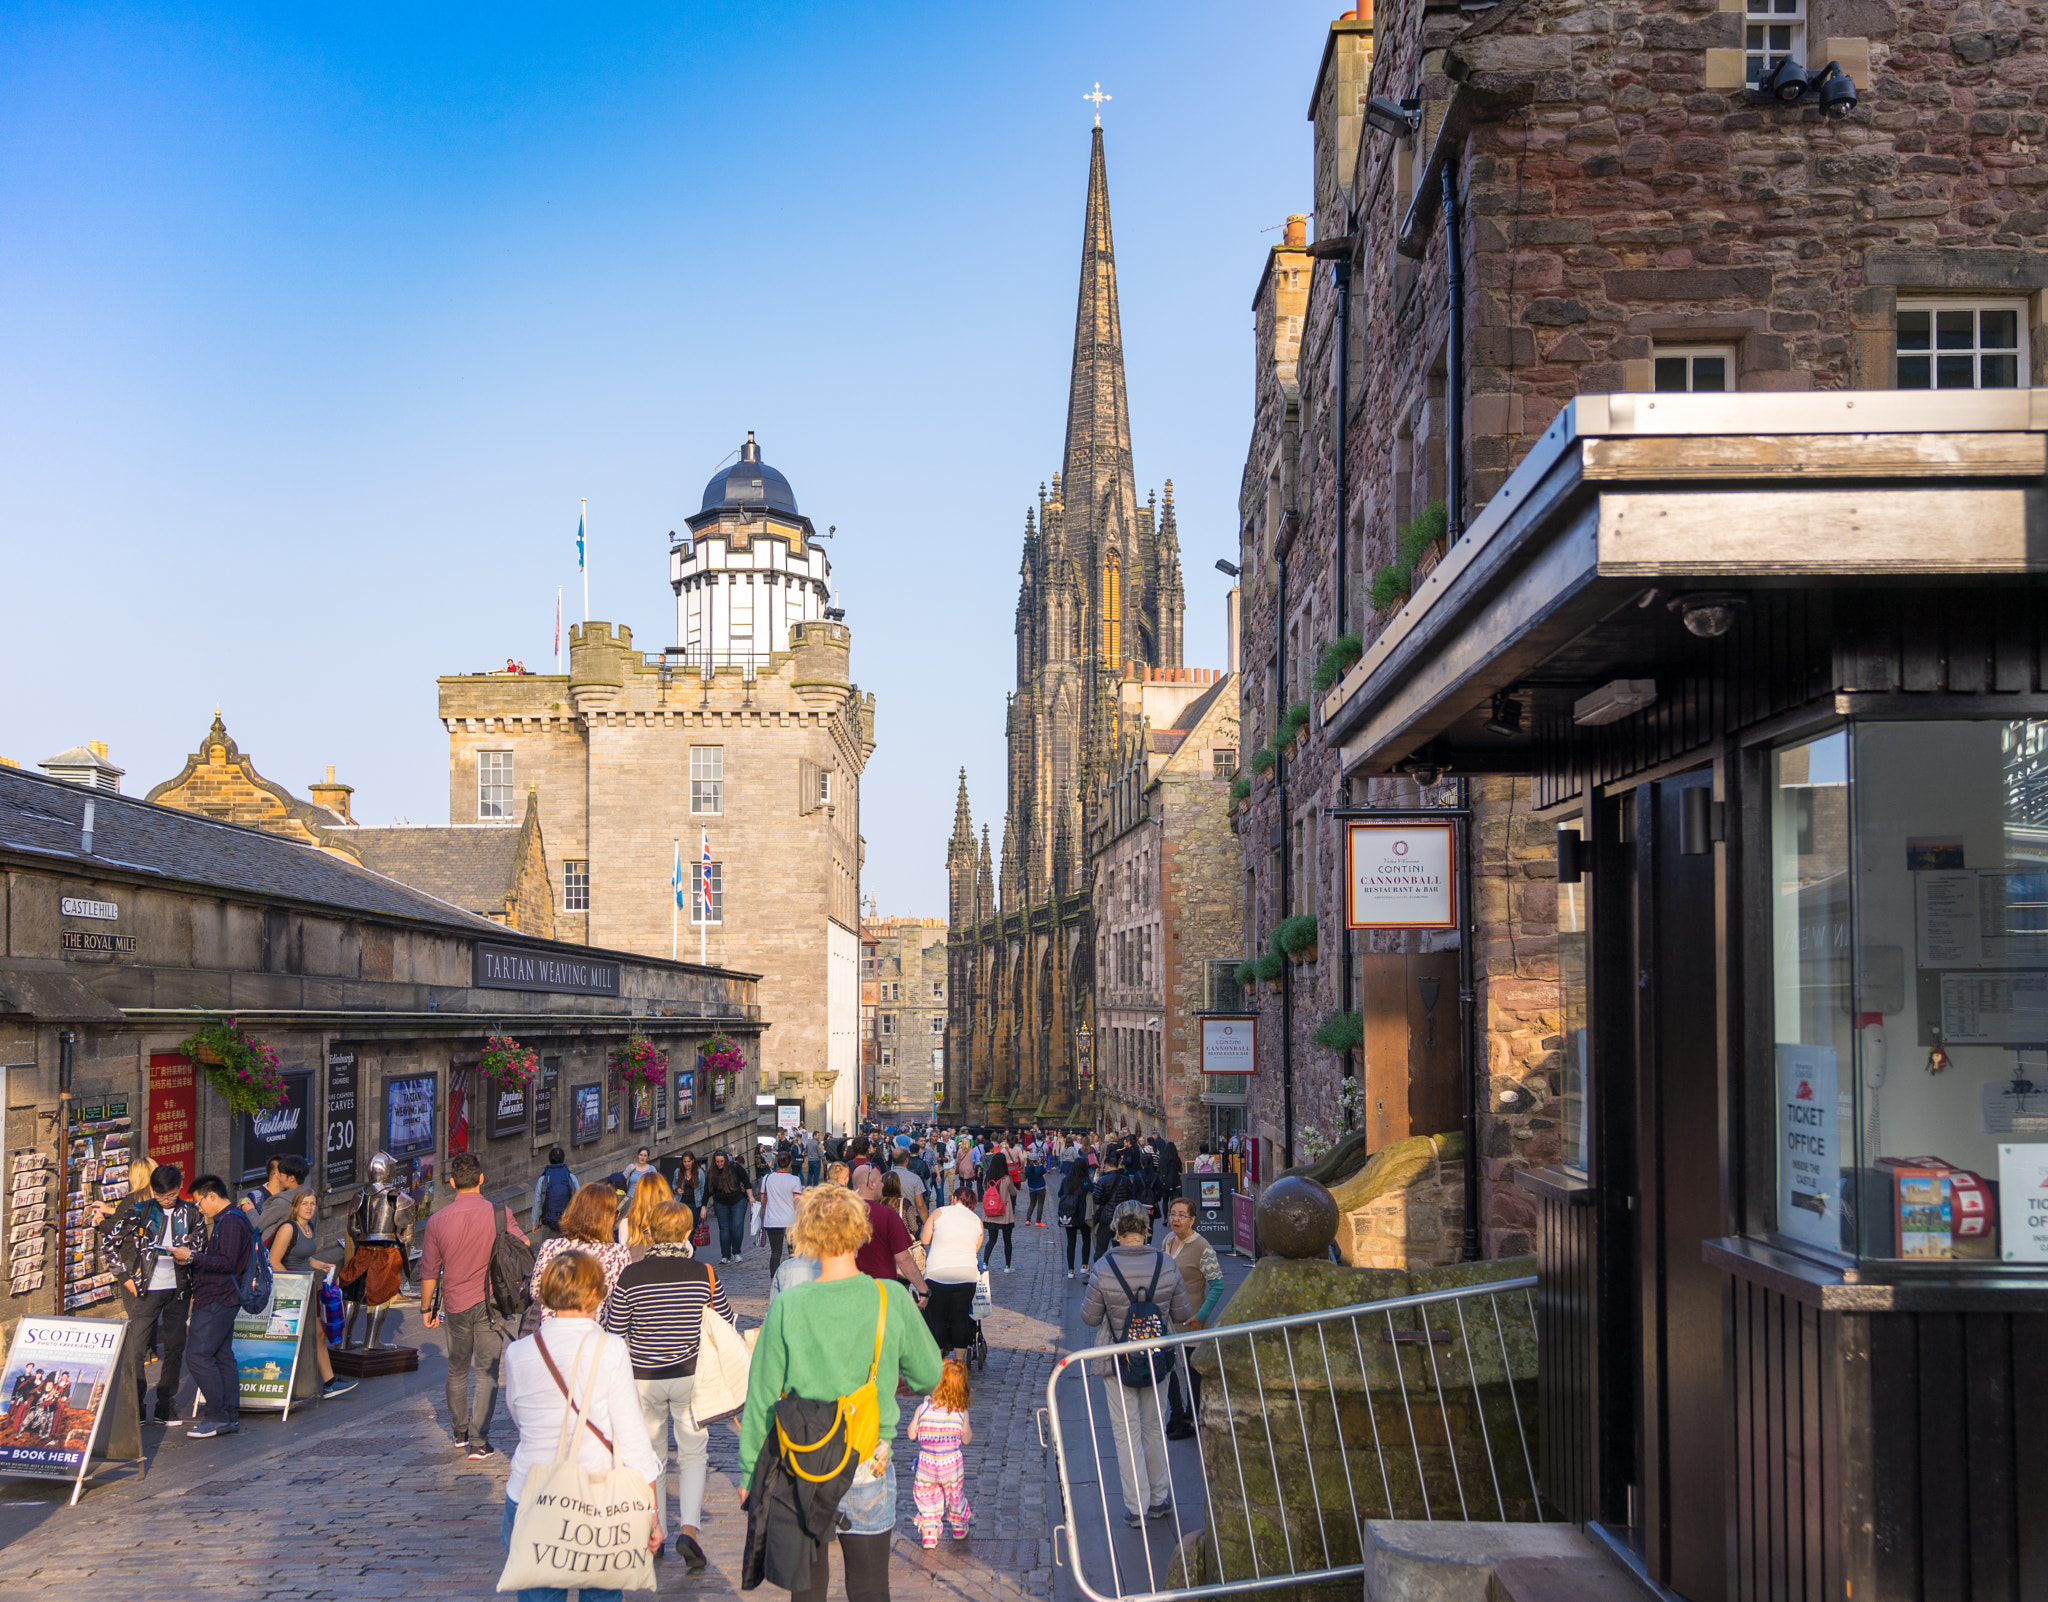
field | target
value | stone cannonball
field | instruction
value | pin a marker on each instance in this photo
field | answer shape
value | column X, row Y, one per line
column 1297, row 1218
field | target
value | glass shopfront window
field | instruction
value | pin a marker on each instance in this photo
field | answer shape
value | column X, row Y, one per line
column 1909, row 874
column 1573, row 1131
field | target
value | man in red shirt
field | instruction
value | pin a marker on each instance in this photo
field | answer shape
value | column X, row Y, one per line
column 887, row 1253
column 457, row 1261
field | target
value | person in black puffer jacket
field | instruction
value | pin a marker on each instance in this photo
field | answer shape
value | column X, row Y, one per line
column 1117, row 1186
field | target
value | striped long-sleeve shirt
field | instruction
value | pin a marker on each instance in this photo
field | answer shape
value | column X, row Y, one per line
column 658, row 1306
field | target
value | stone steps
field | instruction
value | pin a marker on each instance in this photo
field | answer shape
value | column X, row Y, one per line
column 1413, row 1561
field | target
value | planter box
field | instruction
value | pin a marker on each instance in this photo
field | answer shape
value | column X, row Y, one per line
column 1302, row 957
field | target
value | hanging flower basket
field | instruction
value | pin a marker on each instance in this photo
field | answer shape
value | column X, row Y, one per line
column 238, row 1065
column 508, row 1062
column 721, row 1054
column 639, row 1061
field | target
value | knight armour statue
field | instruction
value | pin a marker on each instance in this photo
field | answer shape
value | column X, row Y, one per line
column 379, row 1227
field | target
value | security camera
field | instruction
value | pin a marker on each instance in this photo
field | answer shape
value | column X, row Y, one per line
column 1837, row 90
column 1709, row 615
column 1786, row 82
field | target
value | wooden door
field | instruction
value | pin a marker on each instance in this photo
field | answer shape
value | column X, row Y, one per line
column 1412, row 1057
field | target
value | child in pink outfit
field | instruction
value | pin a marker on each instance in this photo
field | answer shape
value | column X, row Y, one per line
column 940, row 1428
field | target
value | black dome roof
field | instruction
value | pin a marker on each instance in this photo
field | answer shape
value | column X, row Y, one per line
column 749, row 483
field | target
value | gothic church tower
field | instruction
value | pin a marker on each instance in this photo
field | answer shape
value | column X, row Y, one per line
column 1099, row 588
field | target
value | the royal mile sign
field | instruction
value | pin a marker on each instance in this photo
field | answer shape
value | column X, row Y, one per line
column 520, row 968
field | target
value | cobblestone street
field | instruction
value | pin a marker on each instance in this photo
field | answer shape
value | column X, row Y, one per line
column 365, row 1497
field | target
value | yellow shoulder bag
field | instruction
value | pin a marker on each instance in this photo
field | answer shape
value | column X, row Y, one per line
column 859, row 1416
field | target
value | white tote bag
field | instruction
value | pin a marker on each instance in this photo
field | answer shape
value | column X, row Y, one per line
column 724, row 1363
column 982, row 1300
column 578, row 1528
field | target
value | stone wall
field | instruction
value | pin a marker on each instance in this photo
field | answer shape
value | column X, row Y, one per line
column 607, row 752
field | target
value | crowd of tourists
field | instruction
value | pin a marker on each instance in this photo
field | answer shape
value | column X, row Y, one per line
column 604, row 1323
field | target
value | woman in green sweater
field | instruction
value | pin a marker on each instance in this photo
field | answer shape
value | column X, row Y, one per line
column 818, row 1341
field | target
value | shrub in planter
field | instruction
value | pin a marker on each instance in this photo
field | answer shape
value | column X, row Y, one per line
column 1395, row 580
column 639, row 1061
column 1242, row 787
column 1336, row 661
column 508, row 1062
column 1247, row 974
column 1268, row 967
column 1341, row 1032
column 1292, row 722
column 237, row 1064
column 721, row 1054
column 1262, row 759
column 1296, row 936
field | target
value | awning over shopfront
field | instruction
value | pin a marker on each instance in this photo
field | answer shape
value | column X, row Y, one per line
column 1820, row 532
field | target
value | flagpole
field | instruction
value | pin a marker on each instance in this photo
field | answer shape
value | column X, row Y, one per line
column 585, row 563
column 558, row 628
column 704, row 894
column 675, row 898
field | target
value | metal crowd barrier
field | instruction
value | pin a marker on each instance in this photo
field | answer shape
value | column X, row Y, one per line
column 1308, row 1426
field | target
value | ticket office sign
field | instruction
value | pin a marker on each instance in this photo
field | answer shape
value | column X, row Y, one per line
column 1401, row 875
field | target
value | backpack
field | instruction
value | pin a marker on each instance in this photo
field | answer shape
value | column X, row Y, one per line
column 555, row 1199
column 252, row 1286
column 511, row 1269
column 1016, row 1175
column 992, row 1200
column 1142, row 1322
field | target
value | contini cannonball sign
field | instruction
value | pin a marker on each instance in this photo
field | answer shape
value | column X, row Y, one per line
column 1402, row 875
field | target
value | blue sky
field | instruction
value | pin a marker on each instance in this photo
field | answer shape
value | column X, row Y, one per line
column 319, row 321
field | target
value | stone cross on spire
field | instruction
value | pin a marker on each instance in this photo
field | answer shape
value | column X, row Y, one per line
column 1098, row 97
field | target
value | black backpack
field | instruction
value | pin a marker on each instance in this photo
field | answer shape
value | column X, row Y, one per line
column 1142, row 1322
column 555, row 1199
column 511, row 1269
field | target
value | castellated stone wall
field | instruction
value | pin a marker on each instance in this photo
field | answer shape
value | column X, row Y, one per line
column 607, row 752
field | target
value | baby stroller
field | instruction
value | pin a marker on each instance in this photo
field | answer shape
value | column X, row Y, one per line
column 977, row 1349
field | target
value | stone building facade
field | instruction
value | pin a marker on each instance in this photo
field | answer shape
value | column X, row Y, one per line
column 377, row 999
column 1168, row 905
column 1628, row 218
column 1099, row 595
column 904, row 959
column 497, row 873
column 748, row 741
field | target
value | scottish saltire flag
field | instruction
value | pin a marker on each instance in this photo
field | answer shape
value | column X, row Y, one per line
column 676, row 880
column 579, row 541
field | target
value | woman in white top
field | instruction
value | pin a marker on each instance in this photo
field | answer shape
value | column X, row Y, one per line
column 572, row 1288
column 951, row 1238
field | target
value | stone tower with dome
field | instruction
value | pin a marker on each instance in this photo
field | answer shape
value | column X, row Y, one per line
column 748, row 735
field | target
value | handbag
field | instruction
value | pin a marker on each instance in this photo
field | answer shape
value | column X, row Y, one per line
column 858, row 1421
column 983, row 1301
column 724, row 1364
column 753, row 1218
column 553, row 1539
column 703, row 1235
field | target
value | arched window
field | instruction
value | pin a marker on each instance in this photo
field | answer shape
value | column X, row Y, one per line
column 1113, row 609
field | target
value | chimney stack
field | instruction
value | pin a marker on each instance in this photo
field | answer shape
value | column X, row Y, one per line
column 332, row 796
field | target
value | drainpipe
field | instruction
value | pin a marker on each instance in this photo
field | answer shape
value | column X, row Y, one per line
column 1454, row 354
column 1343, row 270
column 67, row 1043
column 1279, row 837
column 1468, row 1001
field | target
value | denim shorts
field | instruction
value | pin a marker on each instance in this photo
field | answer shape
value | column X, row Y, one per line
column 870, row 1509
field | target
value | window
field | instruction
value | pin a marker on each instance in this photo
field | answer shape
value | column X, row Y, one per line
column 824, row 787
column 707, row 778
column 494, row 784
column 938, row 1023
column 1694, row 369
column 707, row 893
column 888, row 1056
column 888, row 1023
column 1225, row 758
column 1776, row 32
column 1571, row 1069
column 938, row 990
column 1953, row 344
column 575, row 886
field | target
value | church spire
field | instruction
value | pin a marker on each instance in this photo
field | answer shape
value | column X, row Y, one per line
column 1100, row 495
column 960, row 862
